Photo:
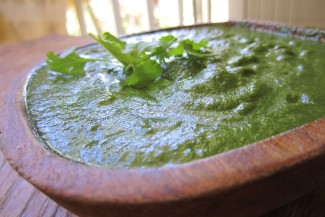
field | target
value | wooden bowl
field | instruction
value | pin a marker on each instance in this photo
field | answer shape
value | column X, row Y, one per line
column 247, row 181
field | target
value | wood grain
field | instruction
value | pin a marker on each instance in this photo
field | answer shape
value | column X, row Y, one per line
column 19, row 198
column 285, row 172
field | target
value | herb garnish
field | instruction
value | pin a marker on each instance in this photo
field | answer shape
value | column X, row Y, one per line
column 71, row 64
column 142, row 61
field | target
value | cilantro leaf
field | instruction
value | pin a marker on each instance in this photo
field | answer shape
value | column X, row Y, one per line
column 138, row 51
column 138, row 67
column 142, row 60
column 144, row 70
column 161, row 51
column 196, row 50
column 177, row 51
column 143, row 51
column 168, row 39
column 71, row 64
column 144, row 73
column 114, row 46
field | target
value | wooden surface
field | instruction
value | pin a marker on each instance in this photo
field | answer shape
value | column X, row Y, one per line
column 19, row 198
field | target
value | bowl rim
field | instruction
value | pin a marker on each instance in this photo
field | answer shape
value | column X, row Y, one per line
column 222, row 172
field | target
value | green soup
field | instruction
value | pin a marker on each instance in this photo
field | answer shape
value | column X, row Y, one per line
column 259, row 85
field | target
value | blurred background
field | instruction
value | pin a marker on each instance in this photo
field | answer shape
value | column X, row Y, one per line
column 22, row 20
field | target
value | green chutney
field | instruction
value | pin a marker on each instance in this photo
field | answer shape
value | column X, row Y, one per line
column 258, row 85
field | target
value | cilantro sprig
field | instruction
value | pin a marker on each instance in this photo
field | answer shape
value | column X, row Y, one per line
column 143, row 61
column 71, row 63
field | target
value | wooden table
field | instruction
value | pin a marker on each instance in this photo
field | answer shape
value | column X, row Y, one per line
column 19, row 198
